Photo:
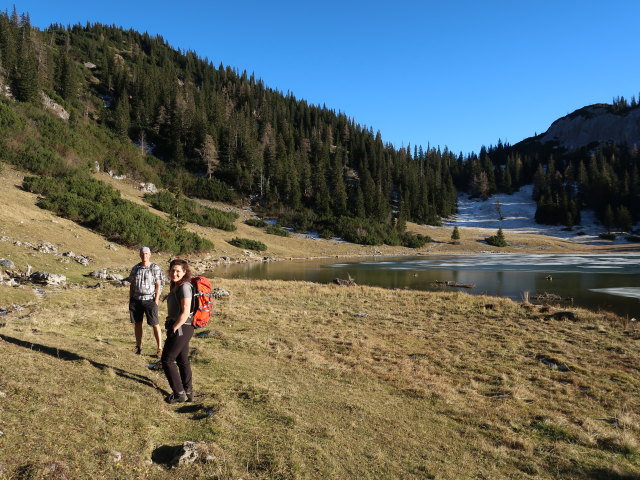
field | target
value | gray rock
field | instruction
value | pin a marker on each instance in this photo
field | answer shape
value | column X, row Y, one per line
column 82, row 260
column 101, row 274
column 112, row 247
column 6, row 263
column 115, row 276
column 47, row 278
column 148, row 188
column 189, row 453
column 115, row 456
column 219, row 293
column 56, row 108
column 69, row 254
column 46, row 247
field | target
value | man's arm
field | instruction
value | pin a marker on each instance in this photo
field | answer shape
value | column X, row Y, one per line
column 158, row 291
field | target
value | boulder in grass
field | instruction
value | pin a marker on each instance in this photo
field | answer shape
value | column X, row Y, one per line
column 6, row 263
column 218, row 293
column 47, row 278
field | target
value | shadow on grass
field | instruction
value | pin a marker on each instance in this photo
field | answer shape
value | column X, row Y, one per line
column 70, row 356
column 166, row 455
column 605, row 474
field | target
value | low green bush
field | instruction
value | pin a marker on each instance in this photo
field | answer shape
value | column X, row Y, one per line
column 190, row 211
column 248, row 244
column 100, row 207
column 415, row 240
column 607, row 236
column 633, row 238
column 256, row 222
column 276, row 230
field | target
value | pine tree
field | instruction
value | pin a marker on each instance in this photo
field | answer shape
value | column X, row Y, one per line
column 455, row 235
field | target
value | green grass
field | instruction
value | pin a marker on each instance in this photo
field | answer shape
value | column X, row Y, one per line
column 298, row 385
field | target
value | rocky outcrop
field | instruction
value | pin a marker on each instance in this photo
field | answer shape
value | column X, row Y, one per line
column 52, row 106
column 105, row 275
column 595, row 124
column 148, row 187
column 47, row 278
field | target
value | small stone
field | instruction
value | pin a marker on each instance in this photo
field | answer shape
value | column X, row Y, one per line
column 6, row 263
column 115, row 456
column 218, row 293
column 2, row 394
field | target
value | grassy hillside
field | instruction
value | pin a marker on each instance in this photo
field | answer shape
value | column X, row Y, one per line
column 311, row 381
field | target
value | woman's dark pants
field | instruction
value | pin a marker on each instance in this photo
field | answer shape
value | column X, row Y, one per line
column 176, row 351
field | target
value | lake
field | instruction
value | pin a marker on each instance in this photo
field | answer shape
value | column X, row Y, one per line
column 609, row 282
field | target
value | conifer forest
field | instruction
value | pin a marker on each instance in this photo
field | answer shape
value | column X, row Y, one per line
column 142, row 108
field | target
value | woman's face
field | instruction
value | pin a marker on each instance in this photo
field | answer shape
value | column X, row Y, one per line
column 176, row 273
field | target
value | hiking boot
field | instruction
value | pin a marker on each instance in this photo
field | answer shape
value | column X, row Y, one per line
column 189, row 396
column 176, row 398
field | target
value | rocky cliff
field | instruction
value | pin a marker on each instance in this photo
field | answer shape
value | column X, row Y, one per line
column 595, row 124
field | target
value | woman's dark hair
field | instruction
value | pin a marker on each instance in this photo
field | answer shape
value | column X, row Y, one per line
column 187, row 272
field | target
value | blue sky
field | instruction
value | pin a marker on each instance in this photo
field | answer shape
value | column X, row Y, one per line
column 457, row 73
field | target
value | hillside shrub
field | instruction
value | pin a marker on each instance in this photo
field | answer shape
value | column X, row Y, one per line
column 190, row 211
column 607, row 236
column 256, row 222
column 248, row 244
column 633, row 238
column 276, row 230
column 418, row 240
column 327, row 234
column 100, row 207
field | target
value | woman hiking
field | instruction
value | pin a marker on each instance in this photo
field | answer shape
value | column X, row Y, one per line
column 179, row 332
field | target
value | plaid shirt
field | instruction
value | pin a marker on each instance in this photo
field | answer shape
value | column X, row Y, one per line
column 143, row 280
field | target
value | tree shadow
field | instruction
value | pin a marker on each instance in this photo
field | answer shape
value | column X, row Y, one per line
column 70, row 356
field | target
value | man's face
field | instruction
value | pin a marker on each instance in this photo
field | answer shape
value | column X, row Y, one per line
column 145, row 256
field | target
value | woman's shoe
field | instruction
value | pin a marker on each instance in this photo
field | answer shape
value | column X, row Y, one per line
column 189, row 396
column 176, row 398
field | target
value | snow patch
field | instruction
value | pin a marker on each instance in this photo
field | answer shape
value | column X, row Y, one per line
column 518, row 216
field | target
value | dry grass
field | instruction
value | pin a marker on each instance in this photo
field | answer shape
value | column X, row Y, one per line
column 305, row 380
column 319, row 381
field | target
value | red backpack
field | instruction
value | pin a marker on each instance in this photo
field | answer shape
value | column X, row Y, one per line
column 202, row 301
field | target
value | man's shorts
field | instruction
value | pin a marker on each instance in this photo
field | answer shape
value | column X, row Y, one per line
column 138, row 308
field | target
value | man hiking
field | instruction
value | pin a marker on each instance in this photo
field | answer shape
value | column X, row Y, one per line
column 144, row 294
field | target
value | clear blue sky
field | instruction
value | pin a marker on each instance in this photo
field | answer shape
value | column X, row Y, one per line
column 457, row 73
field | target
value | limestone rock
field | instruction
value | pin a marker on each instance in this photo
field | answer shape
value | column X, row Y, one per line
column 57, row 109
column 47, row 278
column 148, row 188
column 46, row 247
column 103, row 274
column 191, row 452
column 218, row 293
column 6, row 263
